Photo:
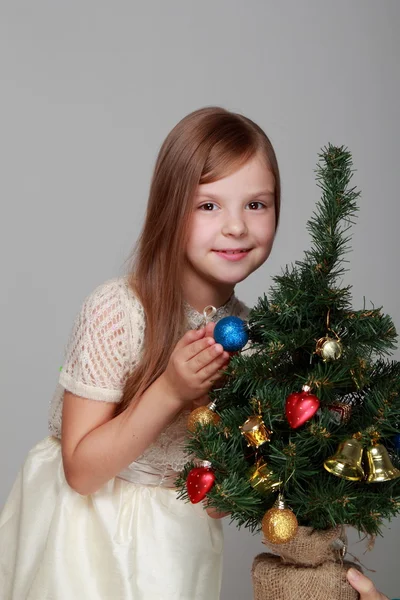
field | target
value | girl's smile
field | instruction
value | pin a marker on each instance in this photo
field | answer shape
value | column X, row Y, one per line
column 233, row 255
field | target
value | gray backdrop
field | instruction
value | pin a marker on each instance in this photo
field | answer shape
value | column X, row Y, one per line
column 89, row 90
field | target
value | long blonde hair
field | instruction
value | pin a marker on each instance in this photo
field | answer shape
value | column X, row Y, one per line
column 206, row 145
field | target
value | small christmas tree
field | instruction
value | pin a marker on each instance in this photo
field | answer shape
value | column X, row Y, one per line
column 310, row 410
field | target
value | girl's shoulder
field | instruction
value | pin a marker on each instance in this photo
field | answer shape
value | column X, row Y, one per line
column 118, row 292
column 113, row 307
column 105, row 340
column 104, row 345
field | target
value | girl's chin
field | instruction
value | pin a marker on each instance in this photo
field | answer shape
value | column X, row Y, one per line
column 230, row 281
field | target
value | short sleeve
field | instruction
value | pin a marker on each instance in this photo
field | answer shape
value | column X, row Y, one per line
column 97, row 355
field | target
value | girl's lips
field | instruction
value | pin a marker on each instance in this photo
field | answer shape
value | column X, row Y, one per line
column 233, row 257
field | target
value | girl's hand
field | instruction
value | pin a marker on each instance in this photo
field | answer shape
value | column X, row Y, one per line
column 195, row 365
column 212, row 512
column 364, row 586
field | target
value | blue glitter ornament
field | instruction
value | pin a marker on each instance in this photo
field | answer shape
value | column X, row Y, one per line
column 396, row 442
column 231, row 333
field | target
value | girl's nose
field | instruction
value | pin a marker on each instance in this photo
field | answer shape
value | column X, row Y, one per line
column 234, row 226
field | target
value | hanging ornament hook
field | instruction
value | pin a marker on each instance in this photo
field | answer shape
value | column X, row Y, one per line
column 328, row 324
column 340, row 546
column 208, row 314
column 328, row 320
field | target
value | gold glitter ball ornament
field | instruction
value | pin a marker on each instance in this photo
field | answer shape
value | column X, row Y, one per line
column 203, row 415
column 279, row 524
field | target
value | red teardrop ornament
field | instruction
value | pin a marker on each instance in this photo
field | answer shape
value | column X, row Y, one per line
column 199, row 481
column 300, row 407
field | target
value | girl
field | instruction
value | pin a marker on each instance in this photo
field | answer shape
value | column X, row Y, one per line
column 93, row 513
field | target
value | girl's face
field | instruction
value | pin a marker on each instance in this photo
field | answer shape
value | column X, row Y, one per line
column 232, row 228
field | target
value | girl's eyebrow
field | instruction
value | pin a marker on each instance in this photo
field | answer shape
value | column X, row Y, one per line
column 252, row 195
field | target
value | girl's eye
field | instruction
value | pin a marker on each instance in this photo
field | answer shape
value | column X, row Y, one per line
column 208, row 206
column 256, row 205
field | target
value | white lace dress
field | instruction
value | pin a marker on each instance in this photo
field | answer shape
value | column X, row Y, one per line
column 132, row 539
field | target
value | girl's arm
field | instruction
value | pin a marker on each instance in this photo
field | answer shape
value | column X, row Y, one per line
column 96, row 446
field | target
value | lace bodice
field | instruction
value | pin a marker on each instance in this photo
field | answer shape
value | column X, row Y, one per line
column 104, row 346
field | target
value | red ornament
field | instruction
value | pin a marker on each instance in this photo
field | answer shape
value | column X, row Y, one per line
column 300, row 407
column 199, row 482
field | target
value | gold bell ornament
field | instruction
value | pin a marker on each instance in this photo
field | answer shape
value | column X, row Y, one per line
column 279, row 524
column 347, row 461
column 203, row 415
column 255, row 431
column 379, row 464
column 262, row 478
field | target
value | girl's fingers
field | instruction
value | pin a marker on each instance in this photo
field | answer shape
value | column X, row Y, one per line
column 201, row 352
column 190, row 337
column 207, row 357
column 209, row 329
column 211, row 371
column 364, row 586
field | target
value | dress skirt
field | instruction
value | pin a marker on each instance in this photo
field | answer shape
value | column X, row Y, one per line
column 124, row 542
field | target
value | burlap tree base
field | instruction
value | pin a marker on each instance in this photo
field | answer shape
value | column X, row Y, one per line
column 307, row 568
